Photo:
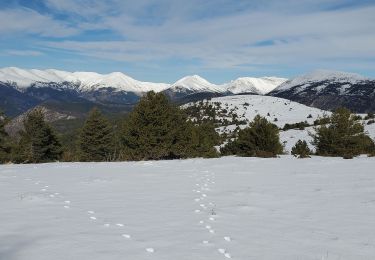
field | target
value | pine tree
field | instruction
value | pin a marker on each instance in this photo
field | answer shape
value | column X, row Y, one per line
column 155, row 129
column 344, row 136
column 5, row 147
column 204, row 138
column 97, row 140
column 260, row 139
column 301, row 149
column 38, row 141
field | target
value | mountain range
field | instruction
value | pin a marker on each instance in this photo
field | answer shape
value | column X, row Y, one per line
column 329, row 90
column 75, row 93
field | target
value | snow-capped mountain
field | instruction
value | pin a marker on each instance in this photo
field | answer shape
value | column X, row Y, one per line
column 85, row 81
column 22, row 89
column 196, row 83
column 91, row 81
column 259, row 86
column 330, row 89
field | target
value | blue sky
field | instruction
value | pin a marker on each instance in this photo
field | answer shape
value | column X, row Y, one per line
column 165, row 40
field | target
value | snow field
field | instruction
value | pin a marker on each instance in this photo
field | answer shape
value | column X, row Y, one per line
column 238, row 208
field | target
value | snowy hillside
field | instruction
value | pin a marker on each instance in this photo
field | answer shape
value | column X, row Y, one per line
column 254, row 85
column 227, row 208
column 277, row 110
column 196, row 83
column 329, row 90
column 321, row 75
column 87, row 81
column 90, row 81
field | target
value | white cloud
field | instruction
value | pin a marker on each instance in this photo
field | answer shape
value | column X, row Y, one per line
column 23, row 53
column 27, row 21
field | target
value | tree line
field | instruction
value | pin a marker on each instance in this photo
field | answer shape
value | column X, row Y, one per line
column 158, row 130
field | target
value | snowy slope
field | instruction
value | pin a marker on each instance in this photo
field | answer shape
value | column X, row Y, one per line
column 196, row 83
column 321, row 75
column 254, row 85
column 238, row 208
column 87, row 81
column 285, row 111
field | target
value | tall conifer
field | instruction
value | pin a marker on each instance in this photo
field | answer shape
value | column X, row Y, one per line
column 97, row 140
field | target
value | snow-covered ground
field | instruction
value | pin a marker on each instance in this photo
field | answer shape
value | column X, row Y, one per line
column 239, row 208
column 285, row 111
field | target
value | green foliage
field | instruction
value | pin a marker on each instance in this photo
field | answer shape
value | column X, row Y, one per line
column 322, row 121
column 370, row 115
column 204, row 138
column 156, row 129
column 301, row 149
column 299, row 125
column 96, row 140
column 38, row 141
column 5, row 147
column 260, row 139
column 344, row 136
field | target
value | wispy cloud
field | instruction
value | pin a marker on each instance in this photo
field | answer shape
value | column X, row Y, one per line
column 215, row 34
column 23, row 52
column 27, row 21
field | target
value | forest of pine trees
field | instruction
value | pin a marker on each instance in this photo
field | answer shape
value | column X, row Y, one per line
column 159, row 130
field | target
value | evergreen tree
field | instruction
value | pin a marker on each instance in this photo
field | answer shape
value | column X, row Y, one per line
column 5, row 147
column 260, row 139
column 155, row 129
column 344, row 136
column 204, row 138
column 38, row 141
column 301, row 149
column 97, row 140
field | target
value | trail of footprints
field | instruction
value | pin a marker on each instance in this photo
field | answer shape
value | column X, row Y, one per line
column 204, row 206
column 202, row 187
column 90, row 213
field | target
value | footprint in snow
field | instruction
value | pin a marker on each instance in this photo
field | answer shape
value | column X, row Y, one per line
column 150, row 250
column 228, row 239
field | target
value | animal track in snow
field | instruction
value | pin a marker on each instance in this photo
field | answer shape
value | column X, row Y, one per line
column 150, row 250
column 221, row 250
